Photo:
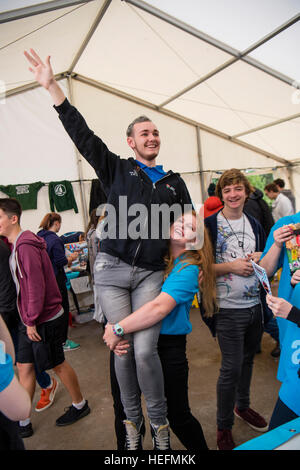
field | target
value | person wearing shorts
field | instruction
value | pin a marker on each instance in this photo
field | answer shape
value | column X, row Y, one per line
column 39, row 304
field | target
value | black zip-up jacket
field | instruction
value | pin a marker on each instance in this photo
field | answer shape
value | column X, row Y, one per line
column 123, row 177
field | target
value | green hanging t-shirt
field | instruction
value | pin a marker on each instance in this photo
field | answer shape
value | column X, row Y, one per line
column 61, row 196
column 26, row 194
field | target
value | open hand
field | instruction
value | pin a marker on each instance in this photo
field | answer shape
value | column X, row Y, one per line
column 42, row 72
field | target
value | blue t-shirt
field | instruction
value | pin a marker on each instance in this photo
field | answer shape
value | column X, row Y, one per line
column 6, row 372
column 181, row 285
column 155, row 173
column 289, row 332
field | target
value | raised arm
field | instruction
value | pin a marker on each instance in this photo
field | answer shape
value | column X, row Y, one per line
column 44, row 75
column 91, row 147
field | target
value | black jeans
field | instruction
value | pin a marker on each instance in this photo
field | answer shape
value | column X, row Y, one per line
column 172, row 353
column 239, row 333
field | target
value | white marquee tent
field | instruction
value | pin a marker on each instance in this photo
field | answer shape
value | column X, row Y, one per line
column 218, row 78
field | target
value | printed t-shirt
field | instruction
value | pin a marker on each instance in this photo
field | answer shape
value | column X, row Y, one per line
column 26, row 194
column 234, row 291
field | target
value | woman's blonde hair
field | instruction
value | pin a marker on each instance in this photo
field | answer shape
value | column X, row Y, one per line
column 49, row 220
column 204, row 259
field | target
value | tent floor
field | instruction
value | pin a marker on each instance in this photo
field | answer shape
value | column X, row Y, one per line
column 96, row 431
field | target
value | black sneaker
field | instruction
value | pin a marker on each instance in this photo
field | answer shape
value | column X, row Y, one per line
column 72, row 415
column 25, row 431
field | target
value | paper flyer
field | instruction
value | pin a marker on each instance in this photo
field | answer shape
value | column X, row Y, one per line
column 262, row 276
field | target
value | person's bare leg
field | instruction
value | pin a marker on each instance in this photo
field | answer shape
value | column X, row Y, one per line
column 69, row 379
column 27, row 377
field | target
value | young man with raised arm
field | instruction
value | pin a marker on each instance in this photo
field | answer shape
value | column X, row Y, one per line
column 129, row 268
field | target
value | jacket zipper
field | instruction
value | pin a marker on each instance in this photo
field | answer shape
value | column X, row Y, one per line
column 152, row 189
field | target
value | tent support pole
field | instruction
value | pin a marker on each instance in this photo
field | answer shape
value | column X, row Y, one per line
column 200, row 160
column 265, row 126
column 166, row 112
column 93, row 28
column 79, row 167
column 290, row 178
column 237, row 55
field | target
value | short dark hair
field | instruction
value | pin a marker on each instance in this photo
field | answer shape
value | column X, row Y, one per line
column 279, row 182
column 142, row 118
column 211, row 189
column 233, row 176
column 272, row 187
column 11, row 207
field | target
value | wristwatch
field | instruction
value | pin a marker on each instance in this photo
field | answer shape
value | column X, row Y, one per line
column 118, row 330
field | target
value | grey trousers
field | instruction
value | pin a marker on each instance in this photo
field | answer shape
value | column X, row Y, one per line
column 239, row 333
column 122, row 289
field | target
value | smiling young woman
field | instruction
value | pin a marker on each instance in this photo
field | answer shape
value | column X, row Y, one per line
column 188, row 263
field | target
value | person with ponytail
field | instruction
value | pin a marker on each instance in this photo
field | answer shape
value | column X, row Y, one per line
column 189, row 268
column 50, row 226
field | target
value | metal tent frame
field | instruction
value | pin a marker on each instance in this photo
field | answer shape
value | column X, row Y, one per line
column 236, row 56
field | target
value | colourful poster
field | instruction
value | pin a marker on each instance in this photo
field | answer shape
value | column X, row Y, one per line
column 293, row 248
column 80, row 264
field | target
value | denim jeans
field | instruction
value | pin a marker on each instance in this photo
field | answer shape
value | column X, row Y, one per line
column 123, row 289
column 239, row 333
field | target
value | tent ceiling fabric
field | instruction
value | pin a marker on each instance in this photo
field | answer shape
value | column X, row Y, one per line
column 133, row 50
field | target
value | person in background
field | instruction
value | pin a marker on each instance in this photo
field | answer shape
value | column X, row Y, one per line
column 15, row 403
column 258, row 208
column 212, row 204
column 39, row 303
column 92, row 240
column 281, row 205
column 286, row 309
column 50, row 226
column 93, row 244
column 10, row 314
column 286, row 192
